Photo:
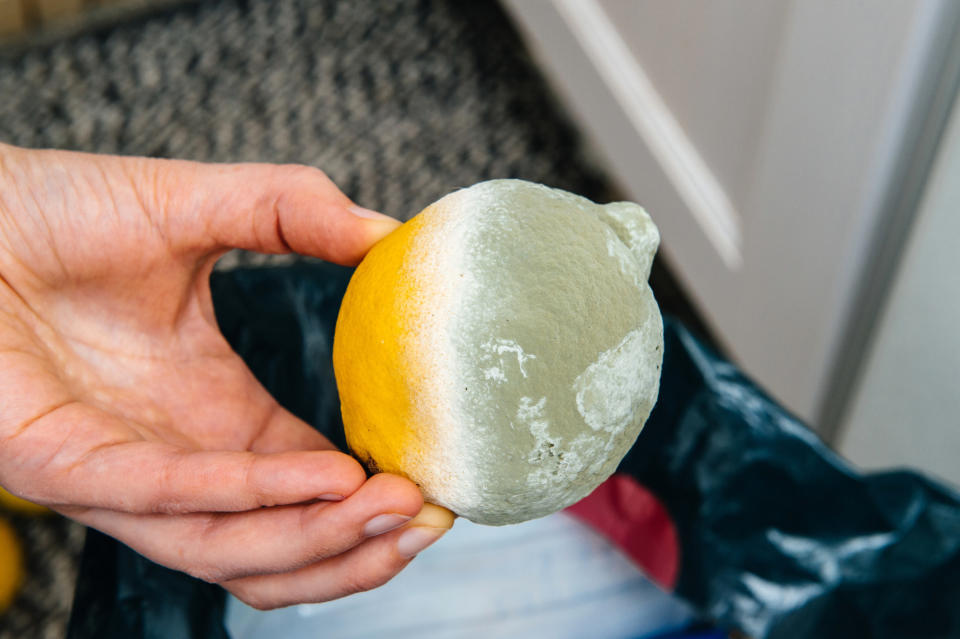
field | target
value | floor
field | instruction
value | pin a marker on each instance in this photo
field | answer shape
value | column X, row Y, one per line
column 399, row 104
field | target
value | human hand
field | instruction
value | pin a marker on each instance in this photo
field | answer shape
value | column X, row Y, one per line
column 123, row 407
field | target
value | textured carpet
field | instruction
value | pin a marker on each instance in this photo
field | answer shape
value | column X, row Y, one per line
column 399, row 102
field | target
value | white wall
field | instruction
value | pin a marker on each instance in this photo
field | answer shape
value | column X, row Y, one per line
column 906, row 410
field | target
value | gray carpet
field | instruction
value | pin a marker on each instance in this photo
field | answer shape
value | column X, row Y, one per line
column 399, row 102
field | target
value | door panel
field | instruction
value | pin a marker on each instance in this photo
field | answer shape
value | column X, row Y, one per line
column 716, row 85
column 762, row 138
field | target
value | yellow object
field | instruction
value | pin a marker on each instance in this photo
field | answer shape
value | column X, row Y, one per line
column 433, row 516
column 9, row 501
column 370, row 359
column 11, row 565
column 380, row 378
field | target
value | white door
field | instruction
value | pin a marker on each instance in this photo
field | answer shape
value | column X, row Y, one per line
column 768, row 140
column 906, row 406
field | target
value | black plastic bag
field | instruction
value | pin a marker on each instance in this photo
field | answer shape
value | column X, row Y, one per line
column 777, row 536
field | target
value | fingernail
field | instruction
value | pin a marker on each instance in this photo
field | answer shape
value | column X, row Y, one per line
column 384, row 523
column 330, row 497
column 415, row 539
column 369, row 214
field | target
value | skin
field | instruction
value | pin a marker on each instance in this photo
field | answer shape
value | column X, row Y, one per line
column 123, row 407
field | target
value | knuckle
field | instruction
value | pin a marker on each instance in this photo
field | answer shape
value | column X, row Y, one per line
column 149, row 181
column 303, row 172
column 284, row 177
column 357, row 475
column 350, row 476
column 161, row 494
column 253, row 476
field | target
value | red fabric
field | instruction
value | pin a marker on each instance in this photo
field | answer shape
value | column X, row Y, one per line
column 634, row 519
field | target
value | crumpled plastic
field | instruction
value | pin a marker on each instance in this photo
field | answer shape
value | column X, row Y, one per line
column 777, row 535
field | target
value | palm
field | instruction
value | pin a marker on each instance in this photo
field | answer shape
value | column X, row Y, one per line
column 123, row 405
column 111, row 349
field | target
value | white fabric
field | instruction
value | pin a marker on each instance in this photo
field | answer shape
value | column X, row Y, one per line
column 551, row 577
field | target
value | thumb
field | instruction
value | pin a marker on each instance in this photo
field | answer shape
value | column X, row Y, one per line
column 261, row 207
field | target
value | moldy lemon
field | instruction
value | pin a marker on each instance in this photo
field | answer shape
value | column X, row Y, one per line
column 502, row 349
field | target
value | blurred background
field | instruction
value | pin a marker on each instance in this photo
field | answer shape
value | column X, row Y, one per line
column 800, row 162
column 800, row 158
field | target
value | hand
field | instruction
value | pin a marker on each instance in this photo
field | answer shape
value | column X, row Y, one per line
column 123, row 407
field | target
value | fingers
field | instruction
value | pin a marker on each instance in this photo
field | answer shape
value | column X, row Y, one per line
column 218, row 547
column 428, row 526
column 172, row 480
column 260, row 207
column 77, row 455
column 365, row 567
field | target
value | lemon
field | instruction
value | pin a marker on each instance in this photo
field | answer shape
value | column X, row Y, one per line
column 502, row 349
column 11, row 502
column 11, row 565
